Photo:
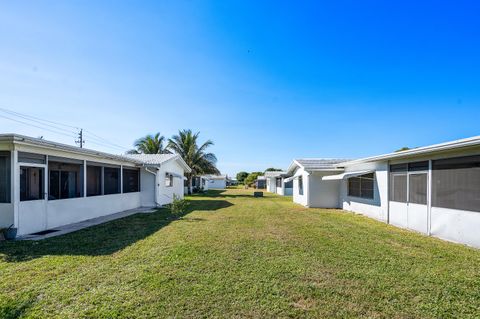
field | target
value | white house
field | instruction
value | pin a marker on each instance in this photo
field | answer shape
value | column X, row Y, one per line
column 308, row 187
column 277, row 183
column 215, row 181
column 44, row 184
column 434, row 190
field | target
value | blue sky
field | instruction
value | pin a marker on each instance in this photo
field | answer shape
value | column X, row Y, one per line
column 267, row 82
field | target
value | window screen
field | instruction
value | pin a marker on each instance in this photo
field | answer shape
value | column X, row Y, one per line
column 168, row 180
column 5, row 172
column 300, row 185
column 31, row 158
column 131, row 180
column 111, row 180
column 65, row 180
column 361, row 186
column 456, row 183
column 31, row 183
column 398, row 187
column 417, row 188
column 279, row 182
column 94, row 180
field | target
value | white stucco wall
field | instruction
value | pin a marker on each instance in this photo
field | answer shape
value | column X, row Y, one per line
column 378, row 206
column 40, row 215
column 271, row 186
column 217, row 184
column 297, row 197
column 323, row 194
column 456, row 225
column 6, row 215
column 165, row 194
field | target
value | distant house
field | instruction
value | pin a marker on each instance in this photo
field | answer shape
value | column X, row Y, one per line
column 434, row 190
column 44, row 184
column 277, row 183
column 215, row 181
column 308, row 187
column 261, row 182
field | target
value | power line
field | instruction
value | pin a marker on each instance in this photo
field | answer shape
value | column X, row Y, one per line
column 37, row 118
column 43, row 128
column 58, row 130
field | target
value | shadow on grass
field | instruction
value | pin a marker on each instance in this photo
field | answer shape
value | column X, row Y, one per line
column 107, row 238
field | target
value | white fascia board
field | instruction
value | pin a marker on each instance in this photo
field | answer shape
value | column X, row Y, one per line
column 472, row 141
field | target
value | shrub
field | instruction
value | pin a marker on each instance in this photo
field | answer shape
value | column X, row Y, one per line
column 178, row 205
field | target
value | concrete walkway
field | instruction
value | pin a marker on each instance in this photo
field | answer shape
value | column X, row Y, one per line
column 87, row 223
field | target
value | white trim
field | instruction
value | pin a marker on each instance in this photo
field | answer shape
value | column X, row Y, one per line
column 346, row 175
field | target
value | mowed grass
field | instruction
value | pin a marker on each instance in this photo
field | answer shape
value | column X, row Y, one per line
column 235, row 256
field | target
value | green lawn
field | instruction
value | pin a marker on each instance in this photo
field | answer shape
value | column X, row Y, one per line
column 237, row 256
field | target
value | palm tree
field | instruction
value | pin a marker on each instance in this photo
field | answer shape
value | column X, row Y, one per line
column 185, row 144
column 150, row 144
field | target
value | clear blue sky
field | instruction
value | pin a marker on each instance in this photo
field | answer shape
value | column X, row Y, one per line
column 267, row 82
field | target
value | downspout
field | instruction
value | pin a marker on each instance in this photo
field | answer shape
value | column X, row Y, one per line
column 156, row 184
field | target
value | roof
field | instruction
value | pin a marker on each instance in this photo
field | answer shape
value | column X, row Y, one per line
column 218, row 177
column 275, row 174
column 158, row 159
column 261, row 178
column 316, row 164
column 138, row 159
column 447, row 146
column 22, row 139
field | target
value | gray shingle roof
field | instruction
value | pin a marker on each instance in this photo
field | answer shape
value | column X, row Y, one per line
column 151, row 159
column 274, row 174
column 320, row 163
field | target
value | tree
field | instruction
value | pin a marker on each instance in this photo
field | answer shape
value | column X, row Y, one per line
column 271, row 169
column 405, row 148
column 252, row 177
column 241, row 177
column 185, row 144
column 150, row 144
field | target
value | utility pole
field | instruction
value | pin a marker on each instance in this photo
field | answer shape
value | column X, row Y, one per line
column 80, row 138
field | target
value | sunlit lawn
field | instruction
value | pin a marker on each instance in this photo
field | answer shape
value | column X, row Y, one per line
column 233, row 255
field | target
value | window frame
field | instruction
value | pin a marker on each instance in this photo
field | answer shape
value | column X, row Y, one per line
column 168, row 180
column 42, row 185
column 124, row 183
column 362, row 179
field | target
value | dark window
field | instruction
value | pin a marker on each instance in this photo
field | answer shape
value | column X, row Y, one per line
column 361, row 186
column 94, row 180
column 279, row 182
column 418, row 166
column 398, row 187
column 417, row 188
column 168, row 180
column 31, row 183
column 300, row 185
column 66, row 180
column 111, row 180
column 289, row 184
column 456, row 183
column 5, row 172
column 131, row 180
column 398, row 168
column 31, row 158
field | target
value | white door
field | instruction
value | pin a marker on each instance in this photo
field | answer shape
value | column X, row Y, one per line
column 408, row 200
column 32, row 208
column 417, row 201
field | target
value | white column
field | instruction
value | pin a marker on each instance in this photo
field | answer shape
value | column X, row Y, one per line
column 429, row 198
column 121, row 179
column 84, row 178
column 15, row 178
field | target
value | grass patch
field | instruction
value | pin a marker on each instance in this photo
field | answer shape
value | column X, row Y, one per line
column 233, row 255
